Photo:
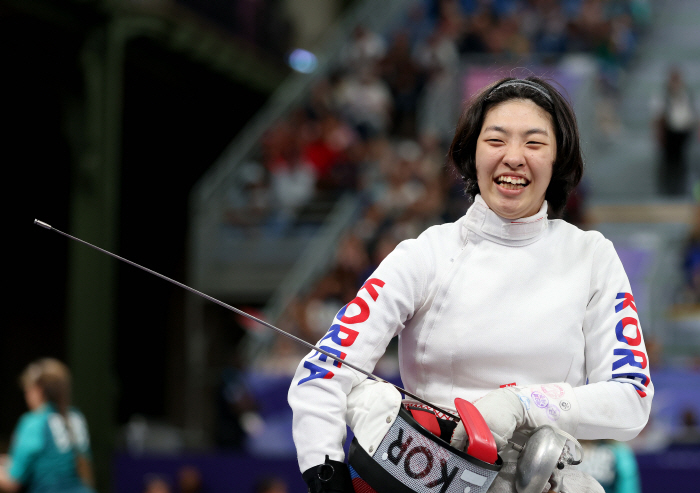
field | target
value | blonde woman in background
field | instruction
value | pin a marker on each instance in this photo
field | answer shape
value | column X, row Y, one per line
column 50, row 450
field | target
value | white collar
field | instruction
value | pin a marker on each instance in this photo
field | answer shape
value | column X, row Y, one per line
column 517, row 232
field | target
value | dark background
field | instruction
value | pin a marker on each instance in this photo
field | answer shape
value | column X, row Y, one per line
column 177, row 118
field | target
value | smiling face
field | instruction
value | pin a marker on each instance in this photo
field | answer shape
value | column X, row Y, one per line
column 515, row 153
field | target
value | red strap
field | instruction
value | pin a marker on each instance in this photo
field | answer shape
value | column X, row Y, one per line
column 481, row 443
column 361, row 486
column 427, row 420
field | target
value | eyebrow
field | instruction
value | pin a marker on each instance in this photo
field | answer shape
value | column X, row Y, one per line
column 529, row 132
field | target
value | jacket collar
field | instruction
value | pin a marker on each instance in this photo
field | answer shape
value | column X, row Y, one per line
column 518, row 232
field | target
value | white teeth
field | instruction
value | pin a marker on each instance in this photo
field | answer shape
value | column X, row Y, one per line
column 511, row 179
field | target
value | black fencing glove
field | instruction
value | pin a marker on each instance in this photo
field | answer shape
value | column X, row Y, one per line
column 330, row 477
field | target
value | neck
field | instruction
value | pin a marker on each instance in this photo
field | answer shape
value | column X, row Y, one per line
column 486, row 223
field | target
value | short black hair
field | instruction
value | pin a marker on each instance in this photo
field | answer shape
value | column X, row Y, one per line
column 568, row 165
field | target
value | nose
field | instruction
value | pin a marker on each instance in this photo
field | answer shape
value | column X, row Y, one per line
column 514, row 156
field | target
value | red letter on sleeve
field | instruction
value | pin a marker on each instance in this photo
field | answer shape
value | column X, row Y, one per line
column 369, row 286
column 360, row 317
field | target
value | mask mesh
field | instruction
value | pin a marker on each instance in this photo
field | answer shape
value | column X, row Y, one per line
column 424, row 466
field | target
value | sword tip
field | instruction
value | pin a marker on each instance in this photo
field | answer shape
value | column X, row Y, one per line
column 42, row 224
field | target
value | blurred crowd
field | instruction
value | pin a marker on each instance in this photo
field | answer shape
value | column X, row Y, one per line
column 188, row 480
column 380, row 121
column 607, row 27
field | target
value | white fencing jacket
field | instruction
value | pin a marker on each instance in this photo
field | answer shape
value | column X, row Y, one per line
column 480, row 304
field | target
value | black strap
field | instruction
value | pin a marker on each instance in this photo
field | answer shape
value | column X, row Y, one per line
column 447, row 428
column 330, row 477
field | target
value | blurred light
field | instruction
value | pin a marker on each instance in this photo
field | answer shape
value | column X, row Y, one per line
column 303, row 61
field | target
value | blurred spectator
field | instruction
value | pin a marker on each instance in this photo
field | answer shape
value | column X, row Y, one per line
column 328, row 149
column 292, row 179
column 612, row 464
column 405, row 79
column 156, row 484
column 474, row 34
column 292, row 184
column 189, row 480
column 252, row 204
column 384, row 245
column 271, row 485
column 418, row 23
column 365, row 101
column 438, row 107
column 364, row 49
column 689, row 433
column 400, row 190
column 351, row 263
column 50, row 448
column 545, row 23
column 675, row 117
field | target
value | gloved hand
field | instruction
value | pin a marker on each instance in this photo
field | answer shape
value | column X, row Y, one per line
column 330, row 477
column 513, row 408
column 371, row 410
column 503, row 413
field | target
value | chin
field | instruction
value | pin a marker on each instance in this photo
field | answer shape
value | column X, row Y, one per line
column 510, row 211
column 516, row 207
column 509, row 215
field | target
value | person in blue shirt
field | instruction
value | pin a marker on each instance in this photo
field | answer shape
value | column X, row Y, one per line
column 50, row 450
column 612, row 464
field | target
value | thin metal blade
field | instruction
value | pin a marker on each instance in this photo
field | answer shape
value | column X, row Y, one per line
column 247, row 315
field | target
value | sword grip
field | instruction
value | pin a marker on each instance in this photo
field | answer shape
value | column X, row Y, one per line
column 481, row 443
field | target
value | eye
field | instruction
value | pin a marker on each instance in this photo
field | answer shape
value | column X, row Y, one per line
column 533, row 142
